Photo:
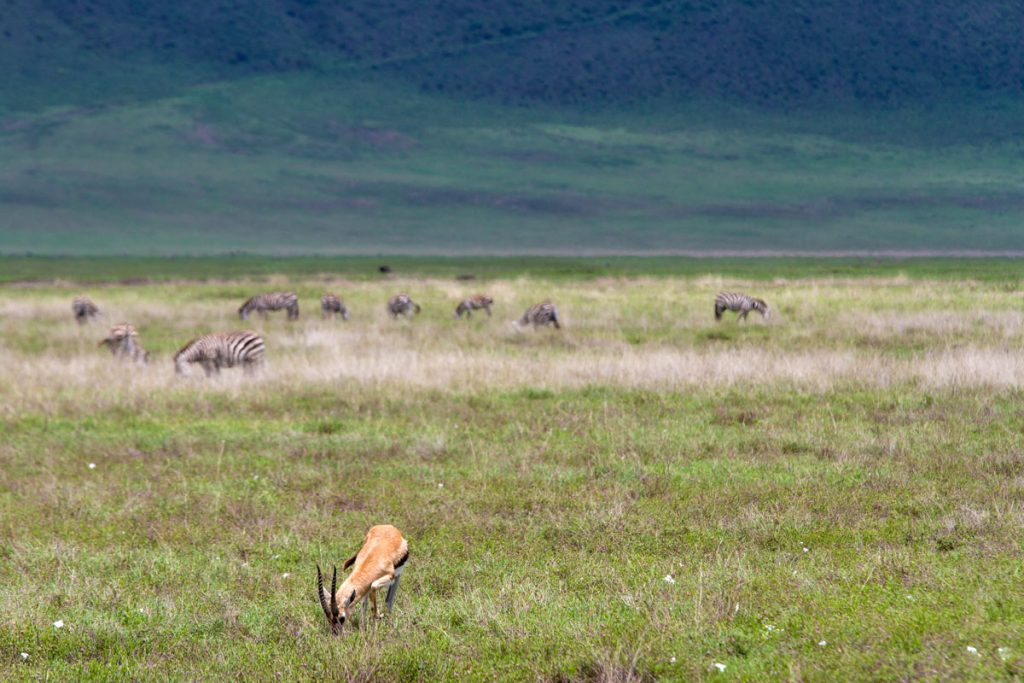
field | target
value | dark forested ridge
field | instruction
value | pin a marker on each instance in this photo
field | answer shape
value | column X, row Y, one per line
column 555, row 51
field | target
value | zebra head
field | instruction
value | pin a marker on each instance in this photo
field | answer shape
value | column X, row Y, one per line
column 763, row 308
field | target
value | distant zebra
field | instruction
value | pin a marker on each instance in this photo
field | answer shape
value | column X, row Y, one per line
column 274, row 301
column 741, row 303
column 474, row 303
column 539, row 315
column 401, row 304
column 331, row 305
column 123, row 342
column 84, row 309
column 216, row 351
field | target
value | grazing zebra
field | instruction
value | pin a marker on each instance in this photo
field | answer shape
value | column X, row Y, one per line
column 539, row 315
column 401, row 304
column 741, row 303
column 274, row 301
column 123, row 342
column 474, row 303
column 331, row 305
column 84, row 309
column 216, row 351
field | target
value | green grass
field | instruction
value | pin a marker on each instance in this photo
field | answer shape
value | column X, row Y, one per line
column 544, row 502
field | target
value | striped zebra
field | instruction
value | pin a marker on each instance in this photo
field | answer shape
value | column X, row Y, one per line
column 273, row 301
column 216, row 351
column 84, row 309
column 331, row 305
column 474, row 303
column 123, row 342
column 539, row 315
column 741, row 303
column 401, row 304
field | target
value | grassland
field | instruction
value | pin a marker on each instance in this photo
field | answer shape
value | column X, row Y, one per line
column 835, row 494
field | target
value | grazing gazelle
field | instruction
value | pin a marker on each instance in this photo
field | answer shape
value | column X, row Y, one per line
column 379, row 563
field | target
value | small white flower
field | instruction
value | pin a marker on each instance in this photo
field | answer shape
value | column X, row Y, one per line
column 669, row 579
column 672, row 660
column 719, row 666
column 1004, row 653
column 92, row 466
column 285, row 575
column 440, row 486
column 59, row 623
column 24, row 655
column 822, row 643
column 806, row 549
column 142, row 611
column 910, row 597
column 769, row 627
column 972, row 650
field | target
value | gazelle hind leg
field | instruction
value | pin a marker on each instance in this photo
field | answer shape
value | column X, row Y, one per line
column 392, row 590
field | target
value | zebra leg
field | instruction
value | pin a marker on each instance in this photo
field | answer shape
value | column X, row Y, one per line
column 718, row 312
column 743, row 314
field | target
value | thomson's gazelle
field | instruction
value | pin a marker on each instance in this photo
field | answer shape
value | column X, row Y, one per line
column 378, row 564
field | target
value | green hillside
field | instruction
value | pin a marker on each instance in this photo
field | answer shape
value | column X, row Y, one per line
column 295, row 128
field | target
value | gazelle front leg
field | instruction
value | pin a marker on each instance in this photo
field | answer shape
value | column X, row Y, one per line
column 376, row 586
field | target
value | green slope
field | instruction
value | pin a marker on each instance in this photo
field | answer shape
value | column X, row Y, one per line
column 326, row 164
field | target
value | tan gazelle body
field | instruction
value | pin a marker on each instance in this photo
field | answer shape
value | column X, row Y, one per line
column 378, row 564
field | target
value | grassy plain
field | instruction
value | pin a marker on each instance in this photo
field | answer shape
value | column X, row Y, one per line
column 835, row 494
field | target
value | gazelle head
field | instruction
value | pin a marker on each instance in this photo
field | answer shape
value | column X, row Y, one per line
column 335, row 616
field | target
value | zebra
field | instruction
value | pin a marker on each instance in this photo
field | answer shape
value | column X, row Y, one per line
column 401, row 304
column 474, row 303
column 123, row 342
column 84, row 309
column 331, row 305
column 225, row 350
column 274, row 301
column 539, row 315
column 741, row 303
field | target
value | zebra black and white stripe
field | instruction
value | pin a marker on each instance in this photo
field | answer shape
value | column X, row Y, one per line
column 272, row 301
column 474, row 303
column 84, row 309
column 123, row 342
column 225, row 350
column 741, row 303
column 331, row 305
column 539, row 315
column 401, row 304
